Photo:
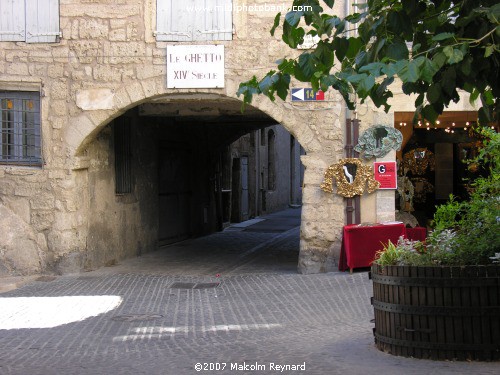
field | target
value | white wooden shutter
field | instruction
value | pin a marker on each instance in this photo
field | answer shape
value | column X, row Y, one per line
column 216, row 24
column 190, row 20
column 42, row 21
column 12, row 20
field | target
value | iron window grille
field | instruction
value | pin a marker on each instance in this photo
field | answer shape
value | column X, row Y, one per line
column 123, row 156
column 20, row 128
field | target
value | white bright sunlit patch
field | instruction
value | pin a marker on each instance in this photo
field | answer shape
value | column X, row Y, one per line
column 147, row 333
column 48, row 312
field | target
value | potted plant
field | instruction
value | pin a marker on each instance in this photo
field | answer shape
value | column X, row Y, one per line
column 441, row 299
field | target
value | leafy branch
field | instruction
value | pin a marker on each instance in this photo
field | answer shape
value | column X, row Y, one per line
column 444, row 57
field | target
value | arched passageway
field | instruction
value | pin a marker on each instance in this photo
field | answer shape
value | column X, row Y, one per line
column 172, row 169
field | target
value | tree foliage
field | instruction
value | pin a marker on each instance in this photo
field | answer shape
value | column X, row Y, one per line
column 434, row 47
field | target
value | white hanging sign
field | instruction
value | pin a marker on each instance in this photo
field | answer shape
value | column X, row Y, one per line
column 195, row 66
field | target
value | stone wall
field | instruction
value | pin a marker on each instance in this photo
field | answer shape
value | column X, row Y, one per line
column 107, row 62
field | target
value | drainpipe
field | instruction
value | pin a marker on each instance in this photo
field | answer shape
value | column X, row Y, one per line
column 257, row 172
column 353, row 205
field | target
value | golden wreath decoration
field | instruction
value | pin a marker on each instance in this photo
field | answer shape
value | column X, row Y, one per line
column 364, row 175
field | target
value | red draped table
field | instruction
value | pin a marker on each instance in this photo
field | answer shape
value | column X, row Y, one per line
column 360, row 243
column 416, row 234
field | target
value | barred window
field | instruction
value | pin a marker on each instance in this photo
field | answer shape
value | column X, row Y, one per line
column 123, row 155
column 20, row 128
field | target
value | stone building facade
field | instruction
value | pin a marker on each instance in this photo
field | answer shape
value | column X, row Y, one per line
column 85, row 190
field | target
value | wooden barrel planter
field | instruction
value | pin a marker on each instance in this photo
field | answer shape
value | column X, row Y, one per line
column 437, row 312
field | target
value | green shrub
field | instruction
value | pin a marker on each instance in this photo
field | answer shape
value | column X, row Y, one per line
column 465, row 233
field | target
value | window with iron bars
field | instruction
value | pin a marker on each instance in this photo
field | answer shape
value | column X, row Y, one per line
column 20, row 128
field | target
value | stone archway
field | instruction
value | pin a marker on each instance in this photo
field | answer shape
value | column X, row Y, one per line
column 319, row 133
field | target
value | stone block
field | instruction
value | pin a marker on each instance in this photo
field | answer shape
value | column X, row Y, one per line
column 93, row 29
column 42, row 220
column 135, row 92
column 19, row 206
column 127, row 53
column 70, row 263
column 43, row 201
column 18, row 69
column 19, row 251
column 94, row 99
column 119, row 35
column 315, row 260
column 7, row 187
column 59, row 90
column 107, row 74
column 57, row 122
column 26, row 190
column 97, row 10
column 58, row 108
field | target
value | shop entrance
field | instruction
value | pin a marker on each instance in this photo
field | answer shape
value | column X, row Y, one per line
column 432, row 161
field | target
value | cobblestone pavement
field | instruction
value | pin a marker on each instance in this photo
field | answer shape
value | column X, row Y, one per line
column 161, row 314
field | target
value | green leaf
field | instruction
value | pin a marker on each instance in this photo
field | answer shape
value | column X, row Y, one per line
column 429, row 113
column 324, row 53
column 489, row 50
column 292, row 36
column 484, row 116
column 361, row 58
column 434, row 93
column 398, row 22
column 354, row 47
column 488, row 98
column 473, row 96
column 340, row 46
column 427, row 70
column 456, row 57
column 248, row 89
column 293, row 18
column 276, row 23
column 382, row 88
column 356, row 78
column 283, row 85
column 493, row 13
column 329, row 2
column 354, row 18
column 374, row 68
column 286, row 65
column 466, row 66
column 330, row 22
column 442, row 36
column 267, row 83
column 305, row 67
column 397, row 51
column 419, row 101
column 448, row 83
column 410, row 72
column 373, row 51
column 448, row 51
column 365, row 85
column 340, row 27
column 439, row 60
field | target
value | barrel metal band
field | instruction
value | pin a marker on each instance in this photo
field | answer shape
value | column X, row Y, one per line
column 436, row 281
column 436, row 345
column 438, row 310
